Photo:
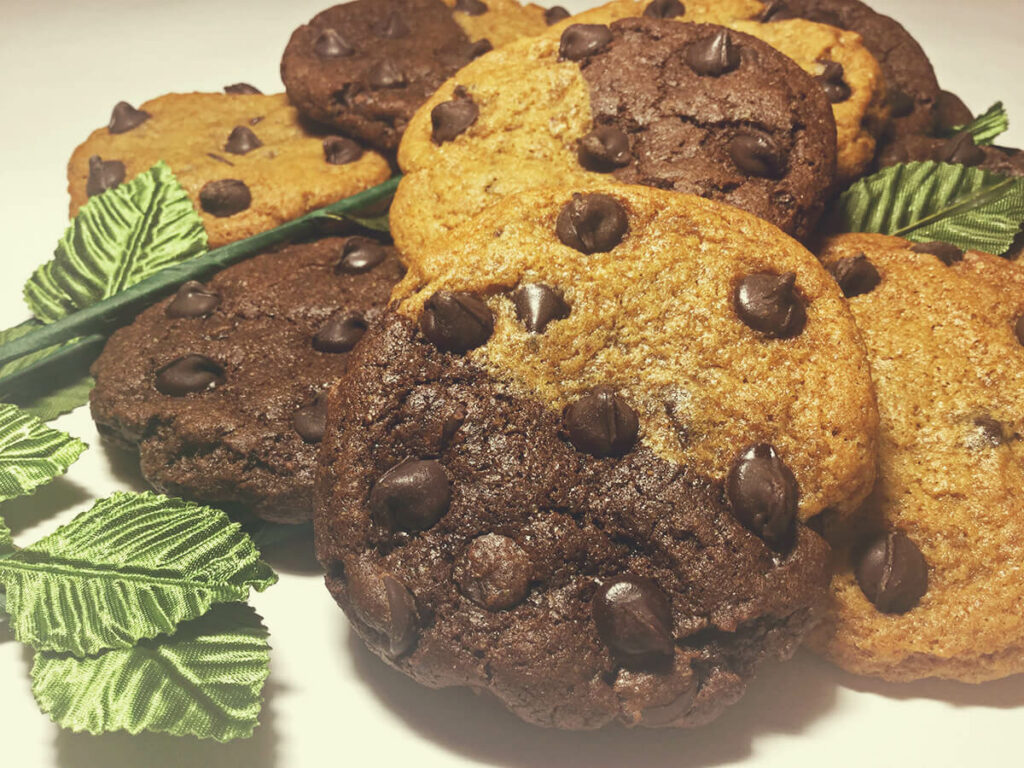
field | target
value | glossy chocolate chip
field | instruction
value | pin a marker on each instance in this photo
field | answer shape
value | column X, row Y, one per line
column 855, row 275
column 775, row 10
column 991, row 430
column 242, row 140
column 193, row 299
column 601, row 423
column 339, row 150
column 1018, row 330
column 582, row 40
column 713, row 56
column 770, row 304
column 832, row 81
column 330, row 44
column 901, row 104
column 604, row 149
column 537, row 305
column 478, row 48
column 664, row 9
column 947, row 253
column 892, row 573
column 411, row 496
column 188, row 375
column 950, row 112
column 555, row 14
column 456, row 321
column 125, row 117
column 242, row 89
column 386, row 74
column 763, row 494
column 451, row 118
column 960, row 150
column 471, row 7
column 103, row 175
column 340, row 333
column 224, row 197
column 359, row 255
column 310, row 421
column 385, row 605
column 494, row 573
column 393, row 27
column 634, row 620
column 757, row 155
column 592, row 223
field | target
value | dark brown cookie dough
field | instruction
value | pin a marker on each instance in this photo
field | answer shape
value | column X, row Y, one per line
column 217, row 387
column 959, row 149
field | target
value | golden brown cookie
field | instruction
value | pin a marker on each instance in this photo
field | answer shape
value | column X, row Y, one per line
column 245, row 160
column 928, row 582
column 698, row 11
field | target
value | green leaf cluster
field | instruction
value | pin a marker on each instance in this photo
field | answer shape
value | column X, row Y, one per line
column 986, row 127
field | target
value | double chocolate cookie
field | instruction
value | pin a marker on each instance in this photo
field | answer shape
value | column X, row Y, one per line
column 221, row 387
column 578, row 479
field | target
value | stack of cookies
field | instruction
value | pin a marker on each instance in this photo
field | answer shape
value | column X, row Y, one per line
column 593, row 430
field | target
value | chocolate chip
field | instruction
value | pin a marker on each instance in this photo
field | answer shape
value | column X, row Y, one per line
column 456, row 322
column 960, row 150
column 770, row 304
column 604, row 149
column 359, row 255
column 947, row 253
column 763, row 494
column 411, row 496
column 224, row 197
column 310, row 421
column 775, row 10
column 582, row 40
column 193, row 299
column 242, row 140
column 991, row 430
column 394, row 27
column 125, row 117
column 103, row 175
column 450, row 119
column 831, row 80
column 555, row 14
column 757, row 155
column 340, row 151
column 634, row 619
column 340, row 333
column 494, row 573
column 471, row 7
column 713, row 56
column 537, row 305
column 901, row 104
column 601, row 423
column 592, row 223
column 478, row 48
column 664, row 9
column 242, row 89
column 189, row 374
column 892, row 573
column 950, row 112
column 385, row 74
column 1018, row 330
column 385, row 605
column 855, row 275
column 330, row 44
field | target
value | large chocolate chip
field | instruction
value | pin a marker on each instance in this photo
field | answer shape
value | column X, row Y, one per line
column 310, row 421
column 189, row 374
column 360, row 254
column 385, row 605
column 537, row 305
column 242, row 89
column 960, row 150
column 386, row 74
column 592, row 223
column 892, row 573
column 125, row 117
column 831, row 80
column 604, row 149
column 855, row 275
column 330, row 44
column 456, row 322
column 340, row 333
column 901, row 104
column 634, row 619
column 411, row 496
column 103, row 175
column 402, row 629
column 1018, row 330
column 991, row 430
column 494, row 573
column 394, row 27
column 242, row 140
column 950, row 112
column 478, row 48
column 601, row 423
column 471, row 7
column 664, row 9
column 224, row 197
column 713, row 56
column 757, row 155
column 763, row 494
column 193, row 299
column 582, row 40
column 340, row 151
column 450, row 119
column 770, row 304
column 947, row 253
column 555, row 14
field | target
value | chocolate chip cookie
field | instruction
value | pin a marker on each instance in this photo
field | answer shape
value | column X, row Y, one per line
column 221, row 387
column 364, row 67
column 245, row 159
column 928, row 579
column 959, row 149
column 692, row 108
column 577, row 479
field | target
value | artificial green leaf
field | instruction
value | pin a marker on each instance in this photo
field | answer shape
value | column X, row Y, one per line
column 136, row 565
column 63, row 399
column 6, row 542
column 60, row 389
column 31, row 453
column 968, row 207
column 205, row 681
column 117, row 239
column 986, row 127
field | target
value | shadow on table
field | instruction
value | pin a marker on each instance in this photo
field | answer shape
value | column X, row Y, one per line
column 1007, row 693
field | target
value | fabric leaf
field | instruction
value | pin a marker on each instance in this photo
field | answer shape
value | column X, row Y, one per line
column 117, row 239
column 31, row 453
column 136, row 565
column 968, row 207
column 59, row 392
column 986, row 127
column 6, row 542
column 205, row 681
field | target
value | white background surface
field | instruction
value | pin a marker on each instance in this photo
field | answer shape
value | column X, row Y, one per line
column 63, row 65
